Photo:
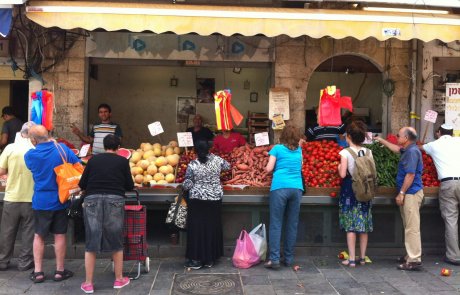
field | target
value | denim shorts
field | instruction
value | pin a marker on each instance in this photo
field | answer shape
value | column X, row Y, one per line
column 103, row 216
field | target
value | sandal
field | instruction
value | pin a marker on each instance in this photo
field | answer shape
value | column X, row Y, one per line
column 402, row 259
column 37, row 277
column 410, row 266
column 362, row 261
column 349, row 263
column 63, row 275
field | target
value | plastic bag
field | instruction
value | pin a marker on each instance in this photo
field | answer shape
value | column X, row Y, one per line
column 245, row 254
column 67, row 177
column 259, row 239
column 330, row 104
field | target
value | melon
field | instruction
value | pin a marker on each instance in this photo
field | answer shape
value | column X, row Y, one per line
column 158, row 176
column 139, row 178
column 147, row 154
column 147, row 178
column 142, row 145
column 162, row 181
column 170, row 178
column 169, row 151
column 124, row 153
column 152, row 169
column 136, row 170
column 161, row 161
column 173, row 143
column 170, row 168
column 164, row 170
column 131, row 164
column 147, row 147
column 144, row 164
column 157, row 152
column 152, row 182
column 157, row 146
column 152, row 159
column 173, row 159
column 177, row 150
column 140, row 151
column 136, row 156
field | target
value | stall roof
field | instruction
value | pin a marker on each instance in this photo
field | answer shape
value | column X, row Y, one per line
column 248, row 21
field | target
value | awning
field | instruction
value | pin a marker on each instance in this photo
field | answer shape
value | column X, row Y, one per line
column 247, row 21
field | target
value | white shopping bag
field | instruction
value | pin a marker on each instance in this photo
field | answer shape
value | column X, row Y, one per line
column 259, row 238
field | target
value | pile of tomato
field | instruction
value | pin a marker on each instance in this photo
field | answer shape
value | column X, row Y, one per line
column 320, row 162
column 429, row 176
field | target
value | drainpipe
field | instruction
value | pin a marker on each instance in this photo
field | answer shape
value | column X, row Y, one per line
column 413, row 95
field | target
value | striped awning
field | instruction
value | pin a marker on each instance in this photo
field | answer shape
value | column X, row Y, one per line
column 247, row 21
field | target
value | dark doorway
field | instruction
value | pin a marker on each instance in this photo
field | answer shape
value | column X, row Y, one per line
column 19, row 98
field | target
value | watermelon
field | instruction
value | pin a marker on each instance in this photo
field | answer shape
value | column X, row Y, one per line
column 124, row 153
column 75, row 151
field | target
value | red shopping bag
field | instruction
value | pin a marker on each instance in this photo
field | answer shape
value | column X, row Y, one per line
column 330, row 104
column 245, row 254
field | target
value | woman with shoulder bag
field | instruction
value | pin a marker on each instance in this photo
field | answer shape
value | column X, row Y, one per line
column 204, row 203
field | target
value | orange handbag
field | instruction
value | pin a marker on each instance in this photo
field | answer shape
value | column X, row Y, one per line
column 67, row 176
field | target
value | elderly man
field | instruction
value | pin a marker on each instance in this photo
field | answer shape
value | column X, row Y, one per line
column 49, row 213
column 199, row 132
column 410, row 196
column 17, row 208
column 443, row 152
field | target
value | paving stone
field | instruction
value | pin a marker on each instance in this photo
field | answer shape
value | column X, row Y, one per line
column 311, row 278
column 353, row 291
column 255, row 280
column 379, row 287
column 163, row 281
column 284, row 274
column 326, row 263
column 320, row 288
column 341, row 283
column 258, row 290
column 411, row 290
column 335, row 273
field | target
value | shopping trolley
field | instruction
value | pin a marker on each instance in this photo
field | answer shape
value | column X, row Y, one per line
column 135, row 235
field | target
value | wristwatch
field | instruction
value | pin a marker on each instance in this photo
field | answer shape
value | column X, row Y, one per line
column 402, row 193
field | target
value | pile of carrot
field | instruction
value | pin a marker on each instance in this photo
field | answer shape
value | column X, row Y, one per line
column 248, row 166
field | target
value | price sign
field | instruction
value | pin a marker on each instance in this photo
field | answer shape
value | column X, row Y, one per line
column 261, row 138
column 185, row 139
column 368, row 139
column 431, row 116
column 155, row 128
column 84, row 150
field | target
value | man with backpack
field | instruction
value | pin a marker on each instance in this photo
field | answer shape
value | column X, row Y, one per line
column 410, row 196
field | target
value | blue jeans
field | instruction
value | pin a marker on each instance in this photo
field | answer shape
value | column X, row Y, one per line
column 284, row 203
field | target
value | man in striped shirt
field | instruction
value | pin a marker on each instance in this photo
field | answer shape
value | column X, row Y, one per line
column 101, row 130
column 325, row 132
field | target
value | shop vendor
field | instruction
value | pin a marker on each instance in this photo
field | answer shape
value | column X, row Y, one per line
column 228, row 140
column 199, row 132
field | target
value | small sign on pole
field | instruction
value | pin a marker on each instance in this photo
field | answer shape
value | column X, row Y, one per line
column 155, row 128
column 431, row 116
column 84, row 150
column 261, row 139
column 184, row 139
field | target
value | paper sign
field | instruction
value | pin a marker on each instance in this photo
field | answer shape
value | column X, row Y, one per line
column 278, row 122
column 431, row 116
column 185, row 139
column 261, row 138
column 368, row 139
column 278, row 103
column 84, row 150
column 155, row 128
column 453, row 106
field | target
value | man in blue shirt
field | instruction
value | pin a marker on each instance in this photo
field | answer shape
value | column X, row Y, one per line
column 410, row 197
column 49, row 213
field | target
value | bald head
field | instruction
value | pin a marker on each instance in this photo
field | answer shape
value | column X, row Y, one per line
column 39, row 134
column 410, row 133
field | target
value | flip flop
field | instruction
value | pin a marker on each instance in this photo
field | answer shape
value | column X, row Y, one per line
column 64, row 275
column 34, row 277
column 349, row 263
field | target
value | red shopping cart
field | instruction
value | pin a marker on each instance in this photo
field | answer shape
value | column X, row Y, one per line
column 135, row 235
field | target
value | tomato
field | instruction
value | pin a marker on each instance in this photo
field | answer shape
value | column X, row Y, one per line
column 333, row 194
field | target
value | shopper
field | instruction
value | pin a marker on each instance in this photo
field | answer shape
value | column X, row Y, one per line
column 228, row 140
column 285, row 194
column 11, row 126
column 17, row 214
column 49, row 213
column 448, row 167
column 199, row 132
column 355, row 217
column 204, row 220
column 410, row 196
column 105, row 180
column 100, row 130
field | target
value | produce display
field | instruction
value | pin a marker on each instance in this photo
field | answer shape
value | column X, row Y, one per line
column 320, row 162
column 184, row 159
column 386, row 164
column 154, row 164
column 429, row 176
column 248, row 165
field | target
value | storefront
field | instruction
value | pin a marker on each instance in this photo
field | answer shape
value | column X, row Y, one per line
column 147, row 77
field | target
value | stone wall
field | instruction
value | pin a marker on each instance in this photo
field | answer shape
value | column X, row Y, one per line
column 297, row 59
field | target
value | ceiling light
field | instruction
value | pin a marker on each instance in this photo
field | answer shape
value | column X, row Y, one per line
column 405, row 10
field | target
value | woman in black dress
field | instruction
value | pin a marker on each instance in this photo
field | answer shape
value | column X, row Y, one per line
column 204, row 224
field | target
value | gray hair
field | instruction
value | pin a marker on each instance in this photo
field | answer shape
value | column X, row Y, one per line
column 25, row 128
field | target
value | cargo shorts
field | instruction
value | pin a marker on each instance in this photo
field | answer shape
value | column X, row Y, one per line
column 103, row 215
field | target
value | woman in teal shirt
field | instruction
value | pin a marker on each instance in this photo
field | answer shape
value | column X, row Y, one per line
column 285, row 195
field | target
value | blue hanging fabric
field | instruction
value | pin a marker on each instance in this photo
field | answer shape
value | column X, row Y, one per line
column 6, row 17
column 36, row 111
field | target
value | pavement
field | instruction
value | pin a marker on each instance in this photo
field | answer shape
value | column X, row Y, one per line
column 317, row 275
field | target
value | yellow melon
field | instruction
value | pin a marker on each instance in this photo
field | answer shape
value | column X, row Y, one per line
column 161, row 161
column 131, row 164
column 157, row 152
column 147, row 178
column 152, row 182
column 152, row 159
column 158, row 176
column 173, row 143
column 162, row 181
column 147, row 147
column 177, row 150
column 139, row 178
column 164, row 170
column 169, row 151
column 170, row 178
column 136, row 170
column 136, row 156
column 143, row 164
column 152, row 169
column 156, row 145
column 147, row 154
column 173, row 159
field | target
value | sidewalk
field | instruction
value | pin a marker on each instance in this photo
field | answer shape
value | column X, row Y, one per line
column 317, row 275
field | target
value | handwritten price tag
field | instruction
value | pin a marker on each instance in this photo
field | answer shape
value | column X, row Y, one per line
column 155, row 128
column 431, row 116
column 84, row 150
column 185, row 139
column 261, row 138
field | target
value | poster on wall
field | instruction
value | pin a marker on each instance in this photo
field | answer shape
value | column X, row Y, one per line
column 453, row 106
column 205, row 89
column 185, row 109
column 278, row 103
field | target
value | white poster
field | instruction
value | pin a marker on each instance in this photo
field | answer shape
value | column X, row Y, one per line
column 261, row 138
column 278, row 103
column 185, row 139
column 155, row 128
column 453, row 106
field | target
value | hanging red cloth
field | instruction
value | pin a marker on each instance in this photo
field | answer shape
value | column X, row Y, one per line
column 330, row 103
column 225, row 111
column 48, row 104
